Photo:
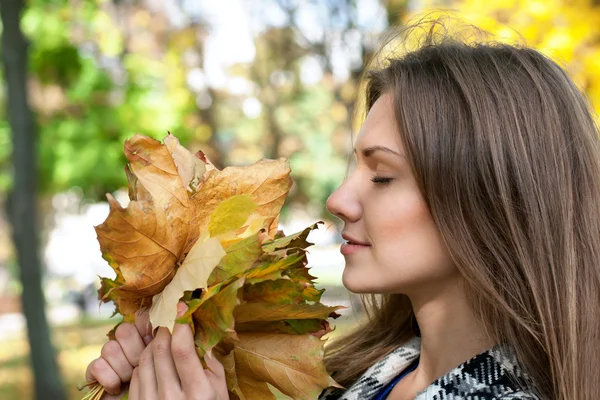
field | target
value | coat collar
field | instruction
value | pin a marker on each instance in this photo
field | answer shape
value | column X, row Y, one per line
column 493, row 374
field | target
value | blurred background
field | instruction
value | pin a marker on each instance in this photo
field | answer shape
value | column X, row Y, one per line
column 239, row 79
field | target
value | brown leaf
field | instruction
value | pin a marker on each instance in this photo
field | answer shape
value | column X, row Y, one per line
column 273, row 312
column 279, row 291
column 289, row 326
column 291, row 363
column 228, row 362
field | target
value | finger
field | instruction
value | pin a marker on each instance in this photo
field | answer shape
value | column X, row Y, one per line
column 131, row 342
column 164, row 366
column 114, row 355
column 107, row 396
column 216, row 376
column 216, row 369
column 101, row 371
column 142, row 323
column 147, row 386
column 134, row 386
column 119, row 396
column 190, row 371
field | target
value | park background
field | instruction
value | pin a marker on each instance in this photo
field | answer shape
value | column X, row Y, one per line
column 239, row 79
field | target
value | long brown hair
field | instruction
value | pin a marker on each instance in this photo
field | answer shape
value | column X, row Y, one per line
column 506, row 153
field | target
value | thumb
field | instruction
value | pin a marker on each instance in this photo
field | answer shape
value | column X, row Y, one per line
column 181, row 309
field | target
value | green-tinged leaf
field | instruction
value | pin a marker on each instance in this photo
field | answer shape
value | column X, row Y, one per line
column 231, row 214
column 280, row 291
column 214, row 317
column 238, row 258
column 302, row 326
column 247, row 312
column 126, row 302
column 271, row 276
column 270, row 268
column 292, row 241
column 313, row 294
column 303, row 278
column 300, row 274
column 194, row 304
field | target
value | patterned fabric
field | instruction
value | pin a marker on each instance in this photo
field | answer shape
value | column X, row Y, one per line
column 491, row 375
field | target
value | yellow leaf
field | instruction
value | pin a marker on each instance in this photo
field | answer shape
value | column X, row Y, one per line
column 231, row 214
column 193, row 274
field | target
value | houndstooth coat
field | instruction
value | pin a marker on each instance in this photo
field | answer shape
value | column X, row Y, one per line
column 484, row 377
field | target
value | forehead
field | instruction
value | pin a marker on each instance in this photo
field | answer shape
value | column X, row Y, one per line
column 380, row 126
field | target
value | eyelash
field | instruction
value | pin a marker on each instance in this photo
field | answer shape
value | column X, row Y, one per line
column 380, row 180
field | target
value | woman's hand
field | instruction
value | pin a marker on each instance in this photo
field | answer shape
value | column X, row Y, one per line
column 119, row 357
column 169, row 368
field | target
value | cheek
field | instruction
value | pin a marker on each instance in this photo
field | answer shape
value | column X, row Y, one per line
column 403, row 219
column 409, row 243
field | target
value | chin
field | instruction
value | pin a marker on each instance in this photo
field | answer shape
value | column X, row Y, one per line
column 357, row 284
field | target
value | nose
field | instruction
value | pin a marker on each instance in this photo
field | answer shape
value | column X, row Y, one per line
column 344, row 204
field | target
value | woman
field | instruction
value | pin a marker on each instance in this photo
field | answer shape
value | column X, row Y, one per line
column 472, row 217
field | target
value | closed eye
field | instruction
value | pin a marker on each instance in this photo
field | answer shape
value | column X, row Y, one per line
column 381, row 180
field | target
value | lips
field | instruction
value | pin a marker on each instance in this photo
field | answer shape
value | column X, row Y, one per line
column 353, row 241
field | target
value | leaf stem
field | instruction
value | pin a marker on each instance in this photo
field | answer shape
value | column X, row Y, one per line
column 95, row 393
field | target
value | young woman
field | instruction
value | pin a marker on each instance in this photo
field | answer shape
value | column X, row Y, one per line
column 472, row 217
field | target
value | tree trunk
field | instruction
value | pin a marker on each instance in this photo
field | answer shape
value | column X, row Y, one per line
column 22, row 207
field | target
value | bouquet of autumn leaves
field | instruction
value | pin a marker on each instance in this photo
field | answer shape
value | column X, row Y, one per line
column 209, row 237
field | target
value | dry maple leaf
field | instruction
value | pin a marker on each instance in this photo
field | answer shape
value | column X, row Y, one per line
column 144, row 241
column 291, row 363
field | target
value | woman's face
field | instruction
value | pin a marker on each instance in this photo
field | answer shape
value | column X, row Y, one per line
column 399, row 249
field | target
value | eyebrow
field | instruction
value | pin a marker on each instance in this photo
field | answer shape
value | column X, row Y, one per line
column 367, row 152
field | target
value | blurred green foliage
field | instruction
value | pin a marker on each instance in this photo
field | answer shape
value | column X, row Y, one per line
column 102, row 70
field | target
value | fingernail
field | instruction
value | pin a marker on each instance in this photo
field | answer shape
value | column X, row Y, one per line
column 181, row 309
column 148, row 339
